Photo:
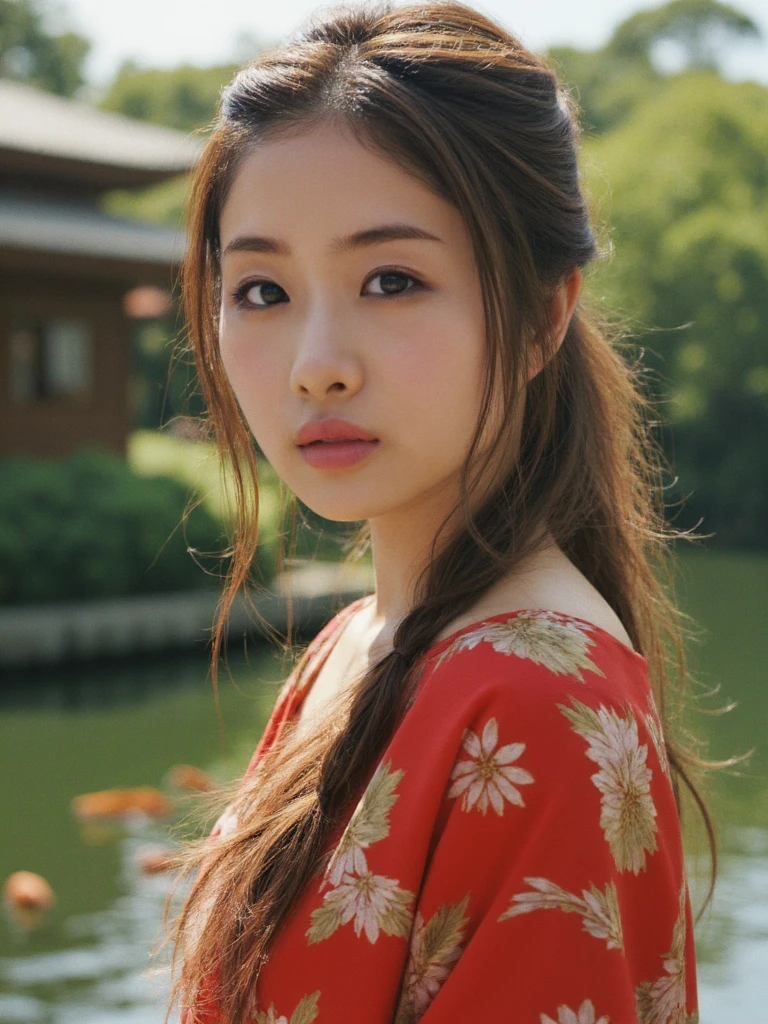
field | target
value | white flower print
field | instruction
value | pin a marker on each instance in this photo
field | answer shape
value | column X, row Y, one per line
column 375, row 902
column 599, row 909
column 227, row 822
column 584, row 1015
column 435, row 947
column 348, row 859
column 555, row 641
column 270, row 1018
column 489, row 776
column 426, row 976
column 305, row 1013
column 369, row 824
column 627, row 810
column 663, row 1001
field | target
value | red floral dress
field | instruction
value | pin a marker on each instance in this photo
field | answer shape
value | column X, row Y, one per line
column 516, row 856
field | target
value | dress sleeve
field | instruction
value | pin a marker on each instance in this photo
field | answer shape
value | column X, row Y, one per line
column 555, row 891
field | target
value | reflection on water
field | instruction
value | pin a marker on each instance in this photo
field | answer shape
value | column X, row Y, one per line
column 727, row 595
column 113, row 726
column 100, row 684
column 96, row 728
column 732, row 940
column 104, row 976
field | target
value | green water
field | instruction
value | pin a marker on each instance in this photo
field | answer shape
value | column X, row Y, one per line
column 65, row 734
column 727, row 595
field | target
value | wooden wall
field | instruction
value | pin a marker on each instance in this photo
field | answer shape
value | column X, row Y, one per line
column 52, row 425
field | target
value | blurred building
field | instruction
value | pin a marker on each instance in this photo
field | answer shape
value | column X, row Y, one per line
column 68, row 270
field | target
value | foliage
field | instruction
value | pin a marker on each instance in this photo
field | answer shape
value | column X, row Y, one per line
column 196, row 465
column 30, row 53
column 606, row 87
column 184, row 97
column 611, row 81
column 88, row 527
column 163, row 203
column 701, row 28
column 690, row 227
column 164, row 384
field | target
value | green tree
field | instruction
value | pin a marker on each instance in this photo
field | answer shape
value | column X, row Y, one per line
column 184, row 97
column 700, row 28
column 606, row 86
column 690, row 228
column 87, row 526
column 609, row 82
column 30, row 53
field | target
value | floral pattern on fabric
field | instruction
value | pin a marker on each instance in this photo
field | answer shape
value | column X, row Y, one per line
column 628, row 816
column 584, row 1015
column 528, row 774
column 435, row 948
column 663, row 1001
column 599, row 909
column 560, row 644
column 374, row 902
column 368, row 824
column 488, row 777
column 305, row 1013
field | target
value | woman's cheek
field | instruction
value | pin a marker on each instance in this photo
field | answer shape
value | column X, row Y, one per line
column 437, row 372
column 227, row 350
column 242, row 361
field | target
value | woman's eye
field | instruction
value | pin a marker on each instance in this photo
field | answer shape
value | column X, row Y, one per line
column 260, row 293
column 392, row 282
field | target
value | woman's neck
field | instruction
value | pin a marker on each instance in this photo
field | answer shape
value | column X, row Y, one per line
column 400, row 544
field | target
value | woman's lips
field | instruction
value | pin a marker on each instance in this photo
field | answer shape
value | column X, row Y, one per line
column 336, row 454
column 333, row 443
column 331, row 428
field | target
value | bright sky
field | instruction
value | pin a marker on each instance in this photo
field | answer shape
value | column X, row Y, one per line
column 163, row 33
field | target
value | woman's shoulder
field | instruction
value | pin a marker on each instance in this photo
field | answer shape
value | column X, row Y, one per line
column 545, row 683
column 545, row 580
column 532, row 659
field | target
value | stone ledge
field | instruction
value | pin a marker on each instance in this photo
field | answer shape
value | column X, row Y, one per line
column 53, row 634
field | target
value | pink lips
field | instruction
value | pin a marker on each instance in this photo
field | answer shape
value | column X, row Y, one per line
column 333, row 443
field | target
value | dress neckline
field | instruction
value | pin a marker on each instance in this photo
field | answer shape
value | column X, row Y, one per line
column 345, row 614
column 546, row 612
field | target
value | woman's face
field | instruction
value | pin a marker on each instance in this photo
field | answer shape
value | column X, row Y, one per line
column 350, row 291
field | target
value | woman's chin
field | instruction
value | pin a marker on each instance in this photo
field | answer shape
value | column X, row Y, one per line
column 346, row 508
column 338, row 512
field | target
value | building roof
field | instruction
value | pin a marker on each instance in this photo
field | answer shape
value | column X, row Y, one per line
column 42, row 224
column 69, row 140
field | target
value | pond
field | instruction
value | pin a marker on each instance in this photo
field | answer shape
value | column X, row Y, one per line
column 74, row 732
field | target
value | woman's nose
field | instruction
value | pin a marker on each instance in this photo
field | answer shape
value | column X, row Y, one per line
column 324, row 361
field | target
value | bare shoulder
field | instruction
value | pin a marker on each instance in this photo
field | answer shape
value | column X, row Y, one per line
column 549, row 581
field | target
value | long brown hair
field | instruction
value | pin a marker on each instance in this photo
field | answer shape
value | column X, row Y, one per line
column 461, row 104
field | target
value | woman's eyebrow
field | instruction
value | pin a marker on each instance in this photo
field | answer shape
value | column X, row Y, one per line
column 382, row 233
column 358, row 240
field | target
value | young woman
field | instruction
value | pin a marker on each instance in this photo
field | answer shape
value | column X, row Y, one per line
column 464, row 805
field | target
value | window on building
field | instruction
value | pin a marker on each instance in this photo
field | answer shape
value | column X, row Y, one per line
column 51, row 359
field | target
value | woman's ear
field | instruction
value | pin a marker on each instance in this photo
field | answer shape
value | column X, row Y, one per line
column 564, row 300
